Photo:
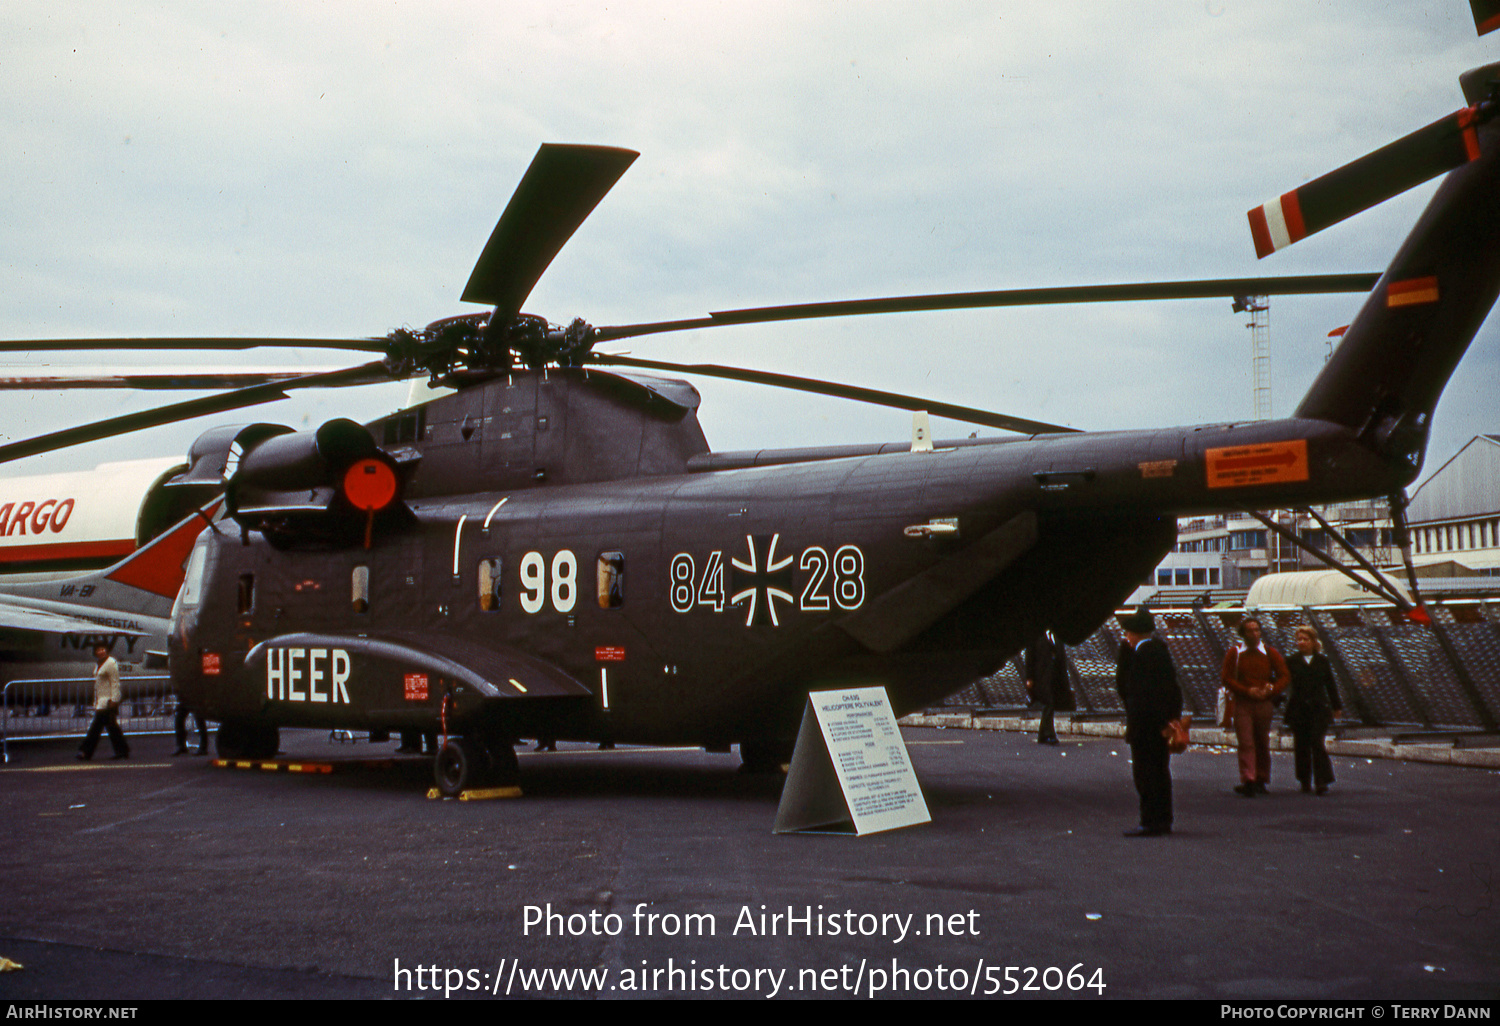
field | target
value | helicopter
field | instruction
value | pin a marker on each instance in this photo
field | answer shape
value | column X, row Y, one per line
column 552, row 549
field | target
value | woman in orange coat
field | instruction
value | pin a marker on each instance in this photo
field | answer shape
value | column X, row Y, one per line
column 1255, row 673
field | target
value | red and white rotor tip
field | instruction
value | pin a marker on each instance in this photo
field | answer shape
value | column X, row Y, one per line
column 1277, row 224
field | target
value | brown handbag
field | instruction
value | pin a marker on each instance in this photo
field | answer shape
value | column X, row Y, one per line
column 1176, row 733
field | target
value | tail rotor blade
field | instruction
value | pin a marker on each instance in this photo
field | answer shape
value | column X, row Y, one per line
column 1426, row 153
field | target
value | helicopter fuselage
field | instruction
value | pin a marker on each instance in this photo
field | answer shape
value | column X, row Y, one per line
column 701, row 607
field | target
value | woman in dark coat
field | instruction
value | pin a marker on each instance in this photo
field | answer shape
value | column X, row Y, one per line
column 1312, row 704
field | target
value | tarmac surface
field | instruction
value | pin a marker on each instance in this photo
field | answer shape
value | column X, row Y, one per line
column 161, row 877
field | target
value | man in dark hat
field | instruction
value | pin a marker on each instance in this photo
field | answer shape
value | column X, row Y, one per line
column 1147, row 683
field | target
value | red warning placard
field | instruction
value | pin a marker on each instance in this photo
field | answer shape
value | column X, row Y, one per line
column 415, row 686
column 1243, row 465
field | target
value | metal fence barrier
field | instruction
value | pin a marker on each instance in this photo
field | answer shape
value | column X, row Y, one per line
column 1389, row 670
column 64, row 708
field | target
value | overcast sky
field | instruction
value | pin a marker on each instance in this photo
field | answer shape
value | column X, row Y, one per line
column 333, row 169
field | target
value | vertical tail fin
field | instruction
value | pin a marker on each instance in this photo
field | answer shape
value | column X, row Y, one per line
column 157, row 567
column 134, row 596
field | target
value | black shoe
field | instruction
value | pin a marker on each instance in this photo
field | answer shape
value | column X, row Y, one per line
column 1245, row 790
column 1048, row 741
column 1261, row 788
column 1321, row 790
column 181, row 750
column 1306, row 787
column 81, row 757
column 1141, row 831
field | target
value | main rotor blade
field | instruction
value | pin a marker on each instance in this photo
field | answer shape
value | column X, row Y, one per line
column 37, row 345
column 1486, row 15
column 559, row 190
column 1212, row 288
column 865, row 395
column 364, row 374
column 191, row 380
column 1408, row 162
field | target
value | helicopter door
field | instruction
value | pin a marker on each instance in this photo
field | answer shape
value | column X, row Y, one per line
column 387, row 591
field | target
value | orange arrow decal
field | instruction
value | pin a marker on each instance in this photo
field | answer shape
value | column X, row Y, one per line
column 1244, row 465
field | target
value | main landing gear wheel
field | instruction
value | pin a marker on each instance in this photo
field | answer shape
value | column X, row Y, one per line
column 459, row 765
column 467, row 762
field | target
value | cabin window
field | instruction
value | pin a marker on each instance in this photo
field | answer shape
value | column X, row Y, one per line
column 360, row 589
column 489, row 584
column 247, row 593
column 192, row 582
column 611, row 575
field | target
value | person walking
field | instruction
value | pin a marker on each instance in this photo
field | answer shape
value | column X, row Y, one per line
column 1255, row 673
column 1312, row 704
column 106, row 707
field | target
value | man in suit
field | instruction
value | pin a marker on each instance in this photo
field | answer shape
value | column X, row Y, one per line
column 1047, row 682
column 1147, row 683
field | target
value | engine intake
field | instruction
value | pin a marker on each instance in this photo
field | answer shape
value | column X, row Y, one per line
column 323, row 487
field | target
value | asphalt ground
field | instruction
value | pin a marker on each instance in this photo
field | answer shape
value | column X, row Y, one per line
column 163, row 878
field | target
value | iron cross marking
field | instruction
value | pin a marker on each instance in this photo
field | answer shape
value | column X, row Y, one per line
column 760, row 582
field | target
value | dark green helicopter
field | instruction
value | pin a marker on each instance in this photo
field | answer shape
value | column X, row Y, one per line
column 551, row 549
